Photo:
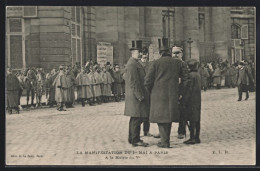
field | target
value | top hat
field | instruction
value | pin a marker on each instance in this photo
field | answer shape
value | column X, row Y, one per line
column 163, row 44
column 136, row 45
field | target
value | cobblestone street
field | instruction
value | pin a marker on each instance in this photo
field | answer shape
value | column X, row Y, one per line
column 97, row 135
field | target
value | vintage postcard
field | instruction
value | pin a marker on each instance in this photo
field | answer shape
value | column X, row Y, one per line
column 130, row 85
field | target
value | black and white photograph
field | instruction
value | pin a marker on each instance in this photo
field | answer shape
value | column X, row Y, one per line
column 130, row 85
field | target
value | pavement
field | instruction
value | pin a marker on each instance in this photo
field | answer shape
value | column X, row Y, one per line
column 97, row 135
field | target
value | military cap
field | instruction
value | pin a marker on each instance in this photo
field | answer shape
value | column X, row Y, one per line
column 176, row 49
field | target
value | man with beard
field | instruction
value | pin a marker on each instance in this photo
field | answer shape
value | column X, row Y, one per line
column 136, row 98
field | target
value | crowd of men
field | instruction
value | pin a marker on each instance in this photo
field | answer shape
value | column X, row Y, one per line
column 212, row 74
column 64, row 86
column 162, row 91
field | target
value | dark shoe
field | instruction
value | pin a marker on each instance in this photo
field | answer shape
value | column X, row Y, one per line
column 197, row 140
column 160, row 145
column 157, row 136
column 181, row 136
column 190, row 141
column 140, row 143
column 246, row 98
column 239, row 100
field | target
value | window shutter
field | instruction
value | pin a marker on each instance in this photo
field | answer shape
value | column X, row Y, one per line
column 244, row 32
column 30, row 11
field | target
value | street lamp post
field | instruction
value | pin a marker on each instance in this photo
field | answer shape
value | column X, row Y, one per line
column 242, row 45
column 190, row 42
column 168, row 13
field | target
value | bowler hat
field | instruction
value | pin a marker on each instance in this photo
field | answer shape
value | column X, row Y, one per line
column 136, row 45
column 163, row 44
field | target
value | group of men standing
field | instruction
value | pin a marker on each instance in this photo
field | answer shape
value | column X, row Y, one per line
column 161, row 94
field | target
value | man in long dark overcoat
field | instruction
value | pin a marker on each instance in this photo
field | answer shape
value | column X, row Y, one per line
column 136, row 100
column 162, row 80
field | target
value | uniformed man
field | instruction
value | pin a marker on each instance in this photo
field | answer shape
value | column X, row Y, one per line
column 163, row 85
column 178, row 54
column 136, row 97
column 60, row 83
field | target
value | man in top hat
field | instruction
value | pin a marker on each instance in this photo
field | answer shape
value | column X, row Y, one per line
column 162, row 81
column 136, row 98
column 243, row 76
column 178, row 54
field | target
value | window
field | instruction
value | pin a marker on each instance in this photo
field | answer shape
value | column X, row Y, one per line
column 75, row 34
column 30, row 11
column 235, row 31
column 15, row 25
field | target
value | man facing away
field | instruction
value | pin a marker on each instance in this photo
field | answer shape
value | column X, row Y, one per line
column 162, row 81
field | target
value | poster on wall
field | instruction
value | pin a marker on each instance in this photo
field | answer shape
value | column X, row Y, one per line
column 104, row 53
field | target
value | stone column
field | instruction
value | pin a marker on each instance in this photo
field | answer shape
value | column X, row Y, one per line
column 191, row 30
column 221, row 31
column 153, row 27
column 208, row 37
column 178, row 23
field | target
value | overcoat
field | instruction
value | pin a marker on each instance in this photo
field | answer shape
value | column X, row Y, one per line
column 134, row 87
column 118, row 80
column 61, row 88
column 233, row 75
column 12, row 87
column 204, row 76
column 243, row 76
column 71, row 83
column 191, row 100
column 228, row 78
column 162, row 80
column 81, row 86
column 52, row 87
column 217, row 76
column 106, row 86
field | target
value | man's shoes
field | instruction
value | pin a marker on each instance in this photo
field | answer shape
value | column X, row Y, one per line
column 197, row 140
column 246, row 98
column 239, row 100
column 147, row 134
column 181, row 136
column 160, row 145
column 140, row 143
column 190, row 141
column 157, row 136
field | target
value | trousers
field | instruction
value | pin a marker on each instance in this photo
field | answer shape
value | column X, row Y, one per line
column 134, row 129
column 165, row 131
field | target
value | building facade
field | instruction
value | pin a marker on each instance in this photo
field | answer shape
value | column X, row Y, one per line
column 47, row 36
